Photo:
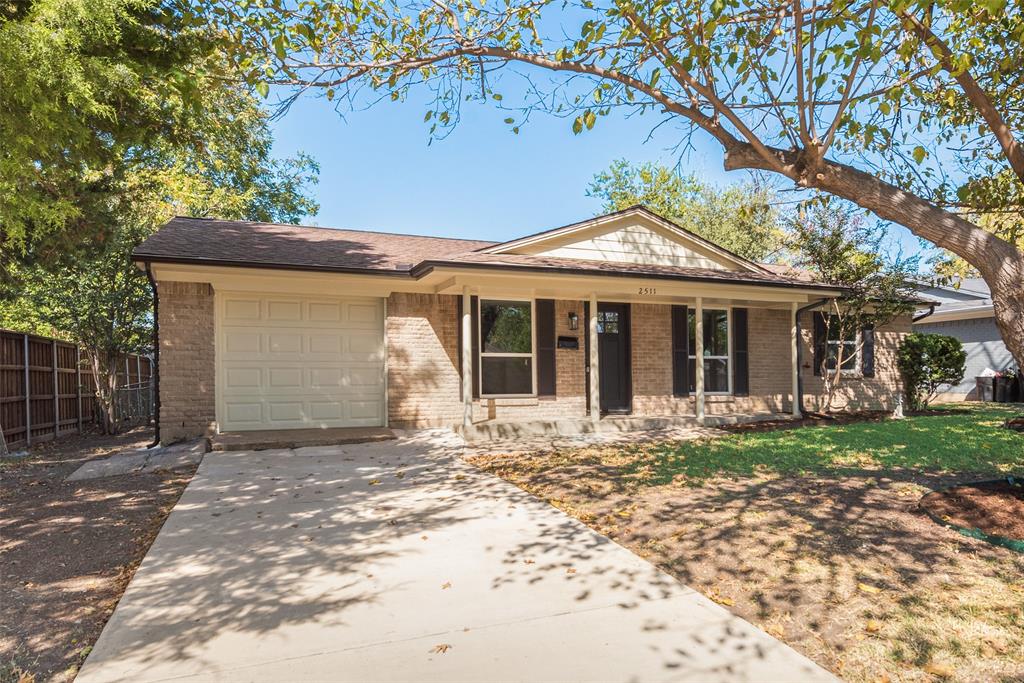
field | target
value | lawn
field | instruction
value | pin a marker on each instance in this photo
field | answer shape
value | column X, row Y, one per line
column 814, row 534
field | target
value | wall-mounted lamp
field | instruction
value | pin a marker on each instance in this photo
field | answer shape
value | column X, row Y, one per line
column 574, row 321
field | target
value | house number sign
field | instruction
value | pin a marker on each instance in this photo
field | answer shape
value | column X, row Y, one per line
column 648, row 291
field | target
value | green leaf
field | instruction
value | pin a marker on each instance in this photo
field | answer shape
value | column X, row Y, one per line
column 577, row 125
column 919, row 154
column 263, row 89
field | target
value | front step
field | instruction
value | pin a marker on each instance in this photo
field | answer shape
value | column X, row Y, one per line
column 569, row 427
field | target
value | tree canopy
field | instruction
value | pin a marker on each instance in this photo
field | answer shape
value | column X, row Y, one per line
column 740, row 218
column 907, row 108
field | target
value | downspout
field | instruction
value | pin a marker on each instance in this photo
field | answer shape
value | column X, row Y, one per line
column 931, row 309
column 799, row 353
column 156, row 358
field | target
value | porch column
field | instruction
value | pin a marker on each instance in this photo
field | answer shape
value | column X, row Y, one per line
column 794, row 355
column 467, row 358
column 699, row 353
column 595, row 370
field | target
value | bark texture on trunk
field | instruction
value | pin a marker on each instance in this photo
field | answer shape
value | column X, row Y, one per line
column 1000, row 263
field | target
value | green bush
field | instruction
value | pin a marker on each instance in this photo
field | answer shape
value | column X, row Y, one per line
column 926, row 362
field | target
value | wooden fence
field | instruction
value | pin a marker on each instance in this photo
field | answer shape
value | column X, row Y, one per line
column 47, row 389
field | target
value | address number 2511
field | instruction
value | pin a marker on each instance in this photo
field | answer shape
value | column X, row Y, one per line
column 648, row 291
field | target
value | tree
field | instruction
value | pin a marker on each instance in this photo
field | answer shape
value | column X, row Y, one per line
column 88, row 84
column 98, row 297
column 739, row 218
column 841, row 249
column 907, row 108
column 927, row 362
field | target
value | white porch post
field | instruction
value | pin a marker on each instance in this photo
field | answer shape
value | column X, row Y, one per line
column 467, row 358
column 699, row 353
column 794, row 350
column 595, row 370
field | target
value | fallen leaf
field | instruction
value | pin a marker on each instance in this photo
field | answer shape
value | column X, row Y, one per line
column 996, row 644
column 441, row 649
column 570, row 570
column 446, row 585
column 939, row 669
column 400, row 475
column 529, row 562
column 873, row 626
column 776, row 630
column 867, row 588
column 374, row 482
column 881, row 678
column 423, row 538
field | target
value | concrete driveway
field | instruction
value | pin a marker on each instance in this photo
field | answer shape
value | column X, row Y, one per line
column 398, row 562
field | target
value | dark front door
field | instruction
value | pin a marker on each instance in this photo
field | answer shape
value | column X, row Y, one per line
column 614, row 357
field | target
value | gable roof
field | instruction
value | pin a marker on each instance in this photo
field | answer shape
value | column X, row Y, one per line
column 680, row 233
column 213, row 242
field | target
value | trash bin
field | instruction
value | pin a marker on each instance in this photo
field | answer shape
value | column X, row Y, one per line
column 984, row 385
column 1000, row 389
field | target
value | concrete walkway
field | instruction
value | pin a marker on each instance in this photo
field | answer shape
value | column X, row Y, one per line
column 396, row 561
column 142, row 460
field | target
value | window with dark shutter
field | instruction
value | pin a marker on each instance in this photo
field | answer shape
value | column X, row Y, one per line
column 680, row 352
column 867, row 352
column 819, row 341
column 545, row 347
column 740, row 358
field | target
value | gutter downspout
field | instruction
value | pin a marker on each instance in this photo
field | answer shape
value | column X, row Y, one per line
column 931, row 309
column 156, row 358
column 799, row 353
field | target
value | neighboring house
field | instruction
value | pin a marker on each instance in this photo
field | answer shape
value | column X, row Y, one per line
column 965, row 312
column 265, row 326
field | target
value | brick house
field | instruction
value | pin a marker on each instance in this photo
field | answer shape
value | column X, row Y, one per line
column 265, row 326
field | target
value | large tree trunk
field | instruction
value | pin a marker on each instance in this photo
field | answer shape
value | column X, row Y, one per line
column 104, row 372
column 1000, row 263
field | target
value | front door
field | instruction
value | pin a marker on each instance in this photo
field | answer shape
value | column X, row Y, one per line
column 614, row 357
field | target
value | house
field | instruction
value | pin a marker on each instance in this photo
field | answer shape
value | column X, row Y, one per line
column 265, row 326
column 966, row 313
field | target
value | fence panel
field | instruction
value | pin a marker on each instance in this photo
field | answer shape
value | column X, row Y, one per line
column 47, row 389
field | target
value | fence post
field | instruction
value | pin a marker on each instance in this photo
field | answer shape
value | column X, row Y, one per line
column 78, row 384
column 28, row 397
column 56, row 392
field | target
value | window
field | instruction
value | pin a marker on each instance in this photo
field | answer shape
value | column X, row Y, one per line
column 716, row 350
column 506, row 348
column 848, row 344
column 608, row 322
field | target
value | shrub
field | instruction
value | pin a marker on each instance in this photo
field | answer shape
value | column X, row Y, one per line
column 926, row 362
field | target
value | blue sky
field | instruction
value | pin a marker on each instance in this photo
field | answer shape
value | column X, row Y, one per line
column 379, row 173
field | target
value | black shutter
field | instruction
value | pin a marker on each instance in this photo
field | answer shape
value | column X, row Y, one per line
column 474, row 318
column 586, row 351
column 819, row 341
column 740, row 358
column 680, row 351
column 458, row 337
column 867, row 351
column 545, row 347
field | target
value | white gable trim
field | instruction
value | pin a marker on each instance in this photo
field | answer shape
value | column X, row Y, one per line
column 685, row 237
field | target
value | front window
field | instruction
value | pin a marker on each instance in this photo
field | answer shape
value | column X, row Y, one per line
column 506, row 348
column 716, row 350
column 847, row 343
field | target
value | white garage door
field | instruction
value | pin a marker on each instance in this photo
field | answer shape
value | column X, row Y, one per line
column 288, row 362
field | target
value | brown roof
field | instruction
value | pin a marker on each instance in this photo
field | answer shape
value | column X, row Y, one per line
column 218, row 242
column 275, row 245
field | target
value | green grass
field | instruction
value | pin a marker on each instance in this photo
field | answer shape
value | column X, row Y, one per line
column 969, row 441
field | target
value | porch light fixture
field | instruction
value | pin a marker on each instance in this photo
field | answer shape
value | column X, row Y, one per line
column 574, row 321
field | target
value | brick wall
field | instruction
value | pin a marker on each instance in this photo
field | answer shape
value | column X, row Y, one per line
column 858, row 393
column 187, row 400
column 423, row 365
column 651, row 341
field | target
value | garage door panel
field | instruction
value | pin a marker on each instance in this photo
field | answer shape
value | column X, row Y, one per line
column 293, row 362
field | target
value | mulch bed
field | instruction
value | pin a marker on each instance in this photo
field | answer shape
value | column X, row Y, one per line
column 995, row 508
column 69, row 549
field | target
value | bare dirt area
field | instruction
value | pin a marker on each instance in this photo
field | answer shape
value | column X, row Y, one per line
column 68, row 549
column 846, row 569
column 993, row 507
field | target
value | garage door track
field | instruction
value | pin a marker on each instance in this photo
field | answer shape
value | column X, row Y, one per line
column 396, row 561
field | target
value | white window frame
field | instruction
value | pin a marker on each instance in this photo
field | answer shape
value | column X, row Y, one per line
column 533, row 346
column 728, row 359
column 829, row 343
